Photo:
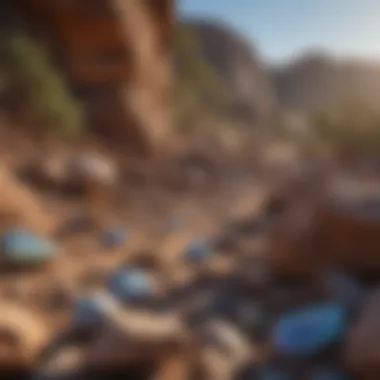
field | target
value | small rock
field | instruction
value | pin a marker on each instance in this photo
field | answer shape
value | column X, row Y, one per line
column 134, row 337
column 94, row 168
column 92, row 311
column 310, row 330
column 328, row 374
column 66, row 360
column 132, row 284
column 252, row 317
column 22, row 247
column 114, row 238
column 224, row 350
column 344, row 289
column 199, row 251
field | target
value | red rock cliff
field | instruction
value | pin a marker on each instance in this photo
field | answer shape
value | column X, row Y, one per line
column 117, row 55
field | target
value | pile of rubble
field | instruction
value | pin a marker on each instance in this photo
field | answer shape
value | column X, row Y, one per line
column 289, row 294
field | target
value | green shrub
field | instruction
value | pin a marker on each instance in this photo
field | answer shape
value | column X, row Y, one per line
column 352, row 127
column 198, row 89
column 38, row 87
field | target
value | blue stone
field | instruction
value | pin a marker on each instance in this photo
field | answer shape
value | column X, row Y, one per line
column 199, row 251
column 114, row 238
column 273, row 374
column 22, row 247
column 132, row 285
column 328, row 374
column 310, row 330
column 93, row 310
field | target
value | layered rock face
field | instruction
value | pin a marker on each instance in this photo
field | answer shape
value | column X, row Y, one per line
column 117, row 55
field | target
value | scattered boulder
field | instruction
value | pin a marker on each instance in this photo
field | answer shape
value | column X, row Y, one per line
column 134, row 337
column 362, row 352
column 92, row 311
column 88, row 169
column 198, row 251
column 85, row 173
column 23, row 336
column 21, row 247
column 224, row 351
column 64, row 364
column 114, row 238
column 45, row 172
column 132, row 284
column 339, row 228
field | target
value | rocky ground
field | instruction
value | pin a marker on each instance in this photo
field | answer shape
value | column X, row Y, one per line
column 189, row 270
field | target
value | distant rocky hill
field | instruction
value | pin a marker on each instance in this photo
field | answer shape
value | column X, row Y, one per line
column 312, row 82
column 227, row 64
column 316, row 81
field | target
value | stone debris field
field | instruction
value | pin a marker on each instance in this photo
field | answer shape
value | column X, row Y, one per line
column 112, row 273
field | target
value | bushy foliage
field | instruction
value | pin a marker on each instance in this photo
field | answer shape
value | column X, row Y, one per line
column 198, row 90
column 38, row 88
column 352, row 127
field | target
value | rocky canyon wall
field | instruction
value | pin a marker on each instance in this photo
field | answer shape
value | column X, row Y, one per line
column 117, row 55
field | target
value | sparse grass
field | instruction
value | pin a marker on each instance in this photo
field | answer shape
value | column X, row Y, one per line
column 350, row 128
column 198, row 90
column 37, row 89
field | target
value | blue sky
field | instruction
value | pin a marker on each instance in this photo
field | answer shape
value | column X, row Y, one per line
column 283, row 28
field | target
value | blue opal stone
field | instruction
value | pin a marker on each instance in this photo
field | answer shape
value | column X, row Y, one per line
column 114, row 238
column 199, row 251
column 310, row 330
column 132, row 284
column 22, row 247
column 92, row 310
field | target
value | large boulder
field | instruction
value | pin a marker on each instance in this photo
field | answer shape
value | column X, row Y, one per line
column 340, row 227
column 362, row 351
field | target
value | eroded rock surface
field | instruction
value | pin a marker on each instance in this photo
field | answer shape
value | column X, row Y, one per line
column 117, row 55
